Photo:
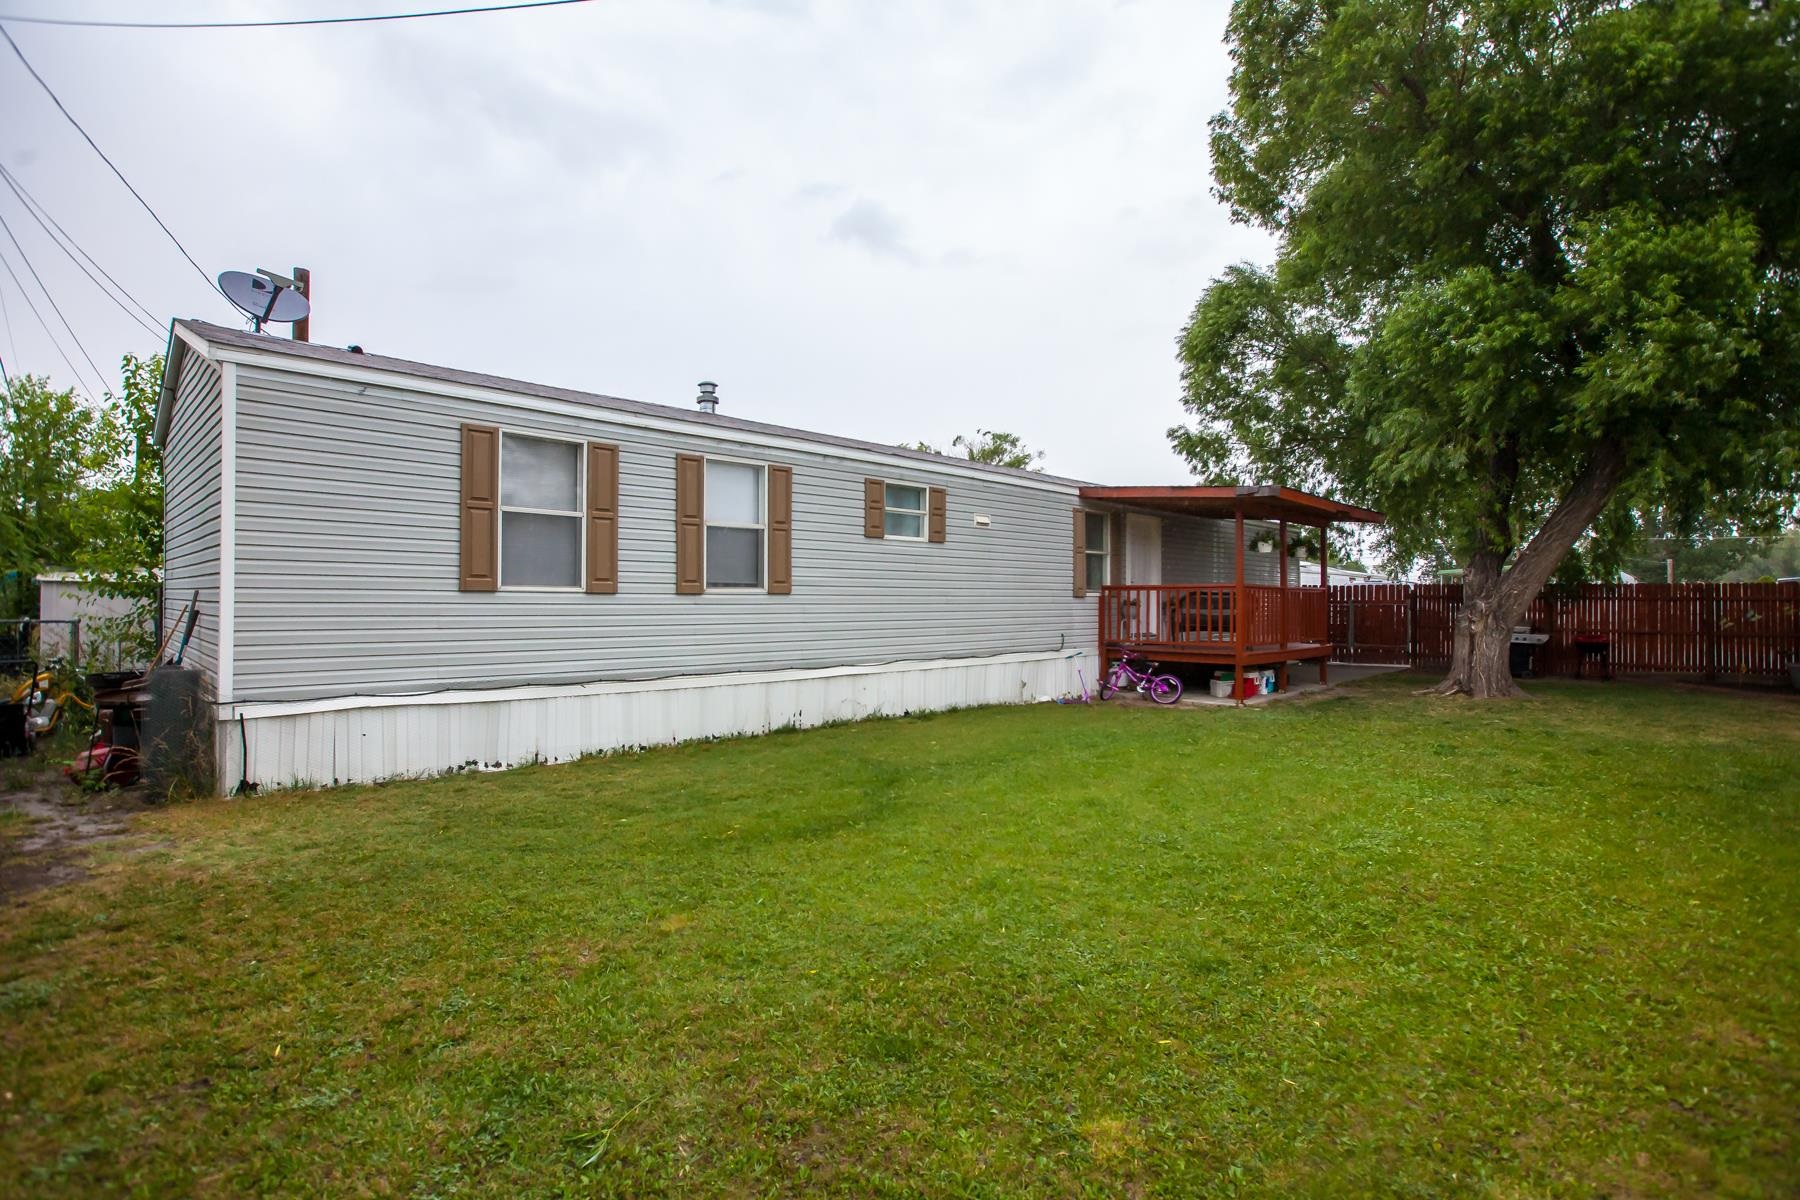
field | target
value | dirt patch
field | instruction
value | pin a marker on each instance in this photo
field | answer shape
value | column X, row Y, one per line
column 48, row 825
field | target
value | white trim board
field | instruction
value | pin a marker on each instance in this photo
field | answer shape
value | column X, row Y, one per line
column 256, row 709
column 227, row 614
column 172, row 365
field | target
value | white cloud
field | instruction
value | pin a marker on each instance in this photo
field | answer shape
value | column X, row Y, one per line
column 869, row 225
column 632, row 195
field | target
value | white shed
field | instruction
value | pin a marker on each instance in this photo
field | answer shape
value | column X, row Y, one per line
column 77, row 621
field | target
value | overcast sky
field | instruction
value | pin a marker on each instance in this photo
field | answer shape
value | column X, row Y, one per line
column 891, row 221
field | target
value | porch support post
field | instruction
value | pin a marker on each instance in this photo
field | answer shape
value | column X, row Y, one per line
column 1100, row 628
column 1325, row 587
column 1239, row 630
column 1282, row 546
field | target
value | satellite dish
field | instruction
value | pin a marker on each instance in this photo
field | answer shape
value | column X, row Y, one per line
column 265, row 296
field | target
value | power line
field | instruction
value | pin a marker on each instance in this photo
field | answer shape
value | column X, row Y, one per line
column 37, row 209
column 109, row 162
column 54, row 306
column 7, row 179
column 408, row 16
column 12, row 347
column 40, row 316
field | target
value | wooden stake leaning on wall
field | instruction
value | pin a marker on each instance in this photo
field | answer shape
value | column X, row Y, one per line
column 303, row 327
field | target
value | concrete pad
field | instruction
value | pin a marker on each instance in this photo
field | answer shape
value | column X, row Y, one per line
column 1303, row 680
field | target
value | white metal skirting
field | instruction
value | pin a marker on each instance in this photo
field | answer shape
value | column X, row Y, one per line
column 361, row 739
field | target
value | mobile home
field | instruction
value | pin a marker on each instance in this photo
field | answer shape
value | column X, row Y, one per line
column 402, row 569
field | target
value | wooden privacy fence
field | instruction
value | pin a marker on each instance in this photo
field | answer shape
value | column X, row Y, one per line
column 1711, row 629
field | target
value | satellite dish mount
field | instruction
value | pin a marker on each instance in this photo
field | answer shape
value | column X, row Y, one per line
column 265, row 296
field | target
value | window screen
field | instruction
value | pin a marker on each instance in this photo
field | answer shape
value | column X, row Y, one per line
column 535, row 473
column 1099, row 554
column 734, row 525
column 905, row 515
column 733, row 494
column 539, row 551
column 733, row 557
column 540, row 512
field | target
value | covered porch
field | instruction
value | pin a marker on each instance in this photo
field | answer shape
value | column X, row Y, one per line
column 1183, row 584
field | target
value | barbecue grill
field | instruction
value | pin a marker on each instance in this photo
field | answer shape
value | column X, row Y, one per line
column 1524, row 648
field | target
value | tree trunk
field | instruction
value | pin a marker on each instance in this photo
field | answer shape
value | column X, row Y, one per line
column 1473, row 622
column 1494, row 600
column 1481, row 662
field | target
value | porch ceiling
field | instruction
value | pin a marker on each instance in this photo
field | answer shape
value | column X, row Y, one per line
column 1263, row 503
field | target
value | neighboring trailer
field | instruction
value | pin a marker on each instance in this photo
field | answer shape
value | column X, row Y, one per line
column 341, row 517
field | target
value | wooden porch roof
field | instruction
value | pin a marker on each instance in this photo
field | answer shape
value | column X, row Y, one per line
column 1264, row 503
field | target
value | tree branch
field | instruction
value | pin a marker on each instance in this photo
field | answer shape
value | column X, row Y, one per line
column 1577, row 510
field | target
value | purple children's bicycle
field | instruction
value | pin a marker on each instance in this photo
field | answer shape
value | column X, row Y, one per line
column 1138, row 673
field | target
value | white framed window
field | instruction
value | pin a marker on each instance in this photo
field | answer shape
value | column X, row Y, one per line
column 736, row 526
column 1099, row 549
column 904, row 511
column 541, row 485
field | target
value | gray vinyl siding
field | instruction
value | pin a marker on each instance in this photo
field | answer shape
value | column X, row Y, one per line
column 191, row 480
column 1200, row 550
column 347, row 536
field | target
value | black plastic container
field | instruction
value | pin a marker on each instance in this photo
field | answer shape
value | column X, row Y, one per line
column 13, row 743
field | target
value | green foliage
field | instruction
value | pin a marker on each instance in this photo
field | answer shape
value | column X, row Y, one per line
column 1704, row 550
column 81, row 485
column 1382, row 946
column 54, row 449
column 1516, row 241
column 1780, row 560
column 122, row 531
column 990, row 446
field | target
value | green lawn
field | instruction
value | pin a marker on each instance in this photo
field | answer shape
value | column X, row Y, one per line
column 1374, row 944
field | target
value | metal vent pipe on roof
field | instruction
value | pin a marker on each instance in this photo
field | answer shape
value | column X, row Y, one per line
column 708, row 399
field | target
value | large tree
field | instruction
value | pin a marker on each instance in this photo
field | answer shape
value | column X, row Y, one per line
column 51, row 455
column 81, row 485
column 1537, row 273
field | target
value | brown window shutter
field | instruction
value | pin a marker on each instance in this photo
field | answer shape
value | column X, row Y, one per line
column 602, row 518
column 480, row 559
column 1080, row 552
column 781, row 531
column 935, row 504
column 690, row 523
column 874, row 508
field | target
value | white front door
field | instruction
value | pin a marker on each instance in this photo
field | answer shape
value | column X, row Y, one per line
column 1143, row 549
column 1143, row 564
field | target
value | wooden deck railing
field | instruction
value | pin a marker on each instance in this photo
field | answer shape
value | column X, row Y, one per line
column 1262, row 607
column 1171, row 616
